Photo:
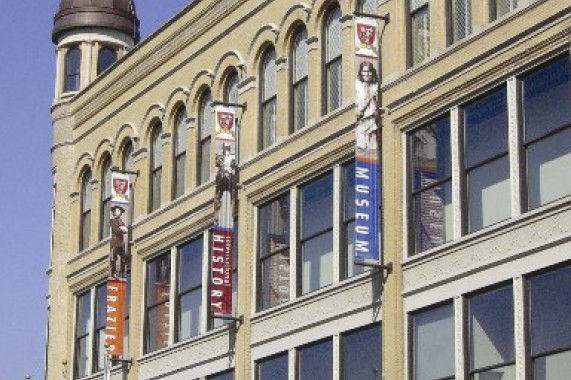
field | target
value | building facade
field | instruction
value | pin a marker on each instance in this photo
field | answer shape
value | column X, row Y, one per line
column 476, row 191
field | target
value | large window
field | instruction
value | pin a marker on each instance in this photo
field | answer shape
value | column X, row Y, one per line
column 550, row 325
column 107, row 56
column 105, row 198
column 491, row 334
column 157, row 303
column 460, row 16
column 72, row 69
column 99, row 327
column 486, row 161
column 316, row 235
column 179, row 152
column 189, row 297
column 82, row 326
column 273, row 368
column 433, row 343
column 268, row 78
column 205, row 125
column 361, row 354
column 315, row 362
column 333, row 59
column 86, row 203
column 431, row 184
column 547, row 132
column 274, row 224
column 419, row 31
column 156, row 168
column 299, row 68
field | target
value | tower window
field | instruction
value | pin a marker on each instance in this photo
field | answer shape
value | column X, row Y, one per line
column 72, row 69
column 107, row 56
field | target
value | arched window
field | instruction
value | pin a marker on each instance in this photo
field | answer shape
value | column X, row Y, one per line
column 268, row 76
column 127, row 159
column 105, row 198
column 369, row 6
column 299, row 68
column 333, row 61
column 107, row 56
column 72, row 69
column 179, row 152
column 231, row 88
column 204, row 138
column 85, row 217
column 156, row 168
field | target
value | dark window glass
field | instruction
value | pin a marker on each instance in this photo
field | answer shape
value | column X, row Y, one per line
column 82, row 323
column 362, row 354
column 205, row 124
column 316, row 361
column 190, row 288
column 547, row 132
column 127, row 161
column 317, row 234
column 274, row 252
column 72, row 69
column 107, row 56
column 333, row 59
column 268, row 97
column 491, row 334
column 105, row 199
column 99, row 331
column 550, row 325
column 433, row 343
column 431, row 182
column 420, row 30
column 156, row 168
column 274, row 368
column 228, row 375
column 299, row 79
column 486, row 160
column 179, row 152
column 157, row 303
column 86, row 201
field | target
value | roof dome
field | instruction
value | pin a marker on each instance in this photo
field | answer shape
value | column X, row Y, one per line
column 119, row 15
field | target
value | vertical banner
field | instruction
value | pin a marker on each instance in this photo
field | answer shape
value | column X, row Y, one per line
column 118, row 263
column 367, row 163
column 224, row 201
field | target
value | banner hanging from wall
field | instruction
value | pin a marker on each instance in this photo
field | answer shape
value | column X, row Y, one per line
column 224, row 203
column 119, row 262
column 367, row 163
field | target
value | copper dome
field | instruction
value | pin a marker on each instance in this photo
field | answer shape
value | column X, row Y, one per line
column 113, row 14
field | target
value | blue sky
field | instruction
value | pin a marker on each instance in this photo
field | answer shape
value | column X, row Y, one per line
column 27, row 69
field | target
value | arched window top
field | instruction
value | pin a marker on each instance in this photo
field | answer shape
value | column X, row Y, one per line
column 180, row 125
column 106, row 178
column 369, row 6
column 333, row 33
column 300, row 55
column 157, row 147
column 72, row 69
column 231, row 89
column 107, row 56
column 127, row 159
column 205, row 114
column 86, row 192
column 269, row 74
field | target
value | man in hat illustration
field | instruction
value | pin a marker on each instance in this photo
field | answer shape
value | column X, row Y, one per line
column 118, row 252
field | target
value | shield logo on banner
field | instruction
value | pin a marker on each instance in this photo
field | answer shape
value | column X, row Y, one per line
column 366, row 34
column 120, row 185
column 226, row 122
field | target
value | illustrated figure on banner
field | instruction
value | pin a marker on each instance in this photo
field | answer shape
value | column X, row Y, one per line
column 366, row 87
column 225, row 176
column 118, row 255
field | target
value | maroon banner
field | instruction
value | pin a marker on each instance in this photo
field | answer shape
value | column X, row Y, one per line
column 221, row 287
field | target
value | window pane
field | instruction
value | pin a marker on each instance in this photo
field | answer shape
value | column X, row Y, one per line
column 420, row 35
column 550, row 308
column 269, row 73
column 275, row 368
column 156, row 189
column 157, row 148
column 430, row 154
column 180, row 132
column 548, row 163
column 545, row 96
column 434, row 343
column 274, row 226
column 99, row 354
column 349, row 191
column 334, row 84
column 489, row 194
column 190, row 265
column 369, row 6
column 86, row 192
column 222, row 376
column 486, row 128
column 158, row 280
column 157, row 327
column 300, row 105
column 206, row 123
column 205, row 160
column 72, row 70
column 269, row 110
column 231, row 93
column 81, row 357
column 317, row 206
column 300, row 51
column 190, row 309
column 85, row 229
column 503, row 7
column 180, row 164
column 491, row 328
column 317, row 262
column 433, row 216
column 461, row 19
column 362, row 354
column 502, row 373
column 275, row 279
column 83, row 314
column 100, row 306
column 107, row 56
column 127, row 161
column 333, row 34
column 316, row 361
column 552, row 367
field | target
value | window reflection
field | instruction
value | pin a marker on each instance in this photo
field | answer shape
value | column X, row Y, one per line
column 316, row 361
column 190, row 289
column 362, row 354
column 157, row 303
column 274, row 368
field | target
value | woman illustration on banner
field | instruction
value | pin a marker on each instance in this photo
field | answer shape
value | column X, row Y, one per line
column 366, row 89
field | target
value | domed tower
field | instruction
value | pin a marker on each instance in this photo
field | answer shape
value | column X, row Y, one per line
column 90, row 35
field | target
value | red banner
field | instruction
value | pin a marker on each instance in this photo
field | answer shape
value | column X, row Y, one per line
column 115, row 316
column 221, row 288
